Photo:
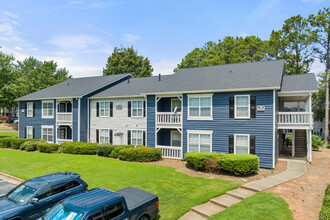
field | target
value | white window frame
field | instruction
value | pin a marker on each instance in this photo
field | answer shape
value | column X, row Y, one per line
column 172, row 131
column 199, row 132
column 29, row 136
column 248, row 106
column 137, row 138
column 42, row 132
column 105, row 115
column 27, row 109
column 246, row 135
column 176, row 99
column 42, row 110
column 199, row 111
column 137, row 116
column 107, row 133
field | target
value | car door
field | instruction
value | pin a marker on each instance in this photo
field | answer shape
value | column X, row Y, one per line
column 116, row 211
column 44, row 197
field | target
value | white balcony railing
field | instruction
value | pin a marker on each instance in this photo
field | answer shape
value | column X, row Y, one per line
column 169, row 118
column 170, row 152
column 295, row 118
column 64, row 116
column 60, row 141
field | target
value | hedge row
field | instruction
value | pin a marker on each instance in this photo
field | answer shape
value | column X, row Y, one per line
column 140, row 154
column 237, row 164
column 325, row 210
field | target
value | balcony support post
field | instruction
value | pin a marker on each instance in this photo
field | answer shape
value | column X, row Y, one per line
column 293, row 141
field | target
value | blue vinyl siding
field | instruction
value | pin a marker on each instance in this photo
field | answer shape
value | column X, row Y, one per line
column 83, row 119
column 222, row 126
column 75, row 120
column 151, row 129
column 277, row 150
column 36, row 122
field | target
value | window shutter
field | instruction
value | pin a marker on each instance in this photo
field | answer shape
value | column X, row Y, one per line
column 129, row 108
column 144, row 138
column 252, row 145
column 110, row 135
column 25, row 109
column 144, row 108
column 34, row 110
column 231, row 107
column 111, row 109
column 128, row 137
column 253, row 112
column 25, row 130
column 34, row 133
column 97, row 135
column 97, row 109
column 231, row 144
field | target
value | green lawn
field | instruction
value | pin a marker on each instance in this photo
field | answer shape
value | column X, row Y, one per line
column 177, row 192
column 4, row 134
column 325, row 211
column 261, row 206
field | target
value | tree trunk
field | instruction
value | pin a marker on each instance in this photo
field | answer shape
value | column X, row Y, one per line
column 326, row 120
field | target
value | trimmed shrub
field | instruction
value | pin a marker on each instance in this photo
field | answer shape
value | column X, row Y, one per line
column 30, row 145
column 47, row 147
column 104, row 149
column 78, row 148
column 317, row 142
column 203, row 161
column 117, row 148
column 239, row 164
column 6, row 142
column 16, row 143
column 140, row 154
column 325, row 211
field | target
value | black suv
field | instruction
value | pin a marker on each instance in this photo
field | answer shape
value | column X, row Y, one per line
column 32, row 198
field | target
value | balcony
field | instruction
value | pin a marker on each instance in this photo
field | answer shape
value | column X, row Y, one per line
column 169, row 118
column 170, row 152
column 295, row 120
column 65, row 117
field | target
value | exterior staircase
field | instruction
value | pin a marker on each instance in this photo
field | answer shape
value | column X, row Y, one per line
column 300, row 143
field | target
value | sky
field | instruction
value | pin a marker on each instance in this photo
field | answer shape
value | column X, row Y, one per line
column 81, row 34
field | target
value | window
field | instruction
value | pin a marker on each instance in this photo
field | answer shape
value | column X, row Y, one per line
column 96, row 216
column 137, row 108
column 200, row 107
column 43, row 193
column 242, row 106
column 58, row 188
column 104, row 109
column 175, row 103
column 72, row 184
column 48, row 109
column 137, row 137
column 29, row 109
column 29, row 132
column 175, row 139
column 113, row 211
column 47, row 133
column 104, row 136
column 200, row 141
column 242, row 144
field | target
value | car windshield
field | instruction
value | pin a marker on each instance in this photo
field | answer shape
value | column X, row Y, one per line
column 59, row 212
column 20, row 194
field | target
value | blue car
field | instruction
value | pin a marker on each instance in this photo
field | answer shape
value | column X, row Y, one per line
column 32, row 198
column 102, row 204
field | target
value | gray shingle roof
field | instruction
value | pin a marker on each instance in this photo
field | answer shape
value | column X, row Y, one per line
column 73, row 88
column 241, row 76
column 299, row 83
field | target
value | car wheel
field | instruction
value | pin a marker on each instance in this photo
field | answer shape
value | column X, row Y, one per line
column 144, row 218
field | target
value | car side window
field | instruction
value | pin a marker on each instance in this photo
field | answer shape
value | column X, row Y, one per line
column 72, row 184
column 113, row 211
column 58, row 188
column 44, row 193
column 96, row 216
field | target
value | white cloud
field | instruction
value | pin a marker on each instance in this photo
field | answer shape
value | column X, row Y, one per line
column 130, row 38
column 313, row 1
column 243, row 34
column 317, row 67
column 84, row 71
column 263, row 8
column 8, row 27
column 75, row 42
column 164, row 67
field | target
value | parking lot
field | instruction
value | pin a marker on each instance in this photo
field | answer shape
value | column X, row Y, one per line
column 5, row 186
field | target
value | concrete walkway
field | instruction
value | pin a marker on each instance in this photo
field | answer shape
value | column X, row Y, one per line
column 295, row 169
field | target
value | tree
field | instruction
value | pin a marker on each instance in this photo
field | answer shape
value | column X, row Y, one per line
column 297, row 40
column 321, row 24
column 275, row 45
column 319, row 98
column 126, row 60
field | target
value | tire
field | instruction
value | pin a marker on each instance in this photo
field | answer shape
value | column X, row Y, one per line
column 144, row 218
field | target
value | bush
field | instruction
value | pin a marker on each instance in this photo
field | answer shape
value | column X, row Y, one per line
column 6, row 142
column 328, row 146
column 30, row 145
column 16, row 143
column 47, row 147
column 202, row 161
column 104, row 149
column 239, row 164
column 117, row 148
column 78, row 148
column 140, row 154
column 289, row 137
column 325, row 211
column 317, row 142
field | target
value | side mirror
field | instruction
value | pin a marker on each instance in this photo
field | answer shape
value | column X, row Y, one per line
column 34, row 200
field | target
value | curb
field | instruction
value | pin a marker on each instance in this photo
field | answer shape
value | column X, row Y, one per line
column 10, row 178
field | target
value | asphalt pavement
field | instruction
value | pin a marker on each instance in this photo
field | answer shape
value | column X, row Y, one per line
column 5, row 187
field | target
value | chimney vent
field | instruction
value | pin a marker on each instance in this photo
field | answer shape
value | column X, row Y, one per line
column 159, row 77
column 128, row 80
